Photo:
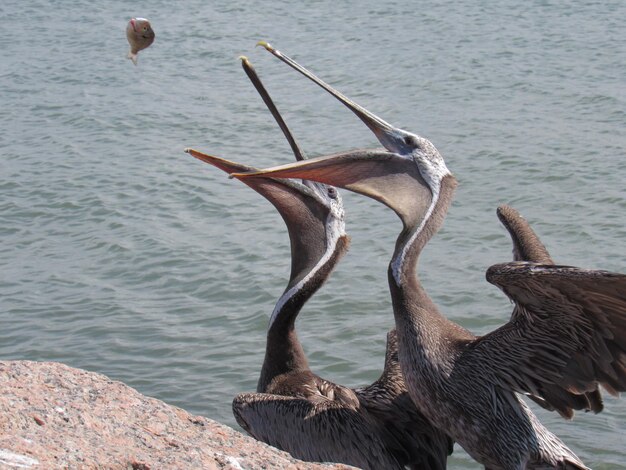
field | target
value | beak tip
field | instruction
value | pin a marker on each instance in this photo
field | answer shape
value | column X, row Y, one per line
column 264, row 44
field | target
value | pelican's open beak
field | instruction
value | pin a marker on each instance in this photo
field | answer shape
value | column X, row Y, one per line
column 224, row 165
column 260, row 88
column 383, row 130
column 383, row 176
column 259, row 184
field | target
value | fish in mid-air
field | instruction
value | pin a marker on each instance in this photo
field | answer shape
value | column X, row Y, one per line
column 140, row 35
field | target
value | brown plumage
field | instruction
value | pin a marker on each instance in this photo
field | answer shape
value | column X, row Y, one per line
column 526, row 243
column 565, row 339
column 295, row 410
column 140, row 35
column 588, row 304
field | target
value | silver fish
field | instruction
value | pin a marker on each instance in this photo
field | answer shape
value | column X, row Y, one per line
column 140, row 35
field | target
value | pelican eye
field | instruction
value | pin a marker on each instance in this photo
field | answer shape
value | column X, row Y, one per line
column 332, row 193
column 411, row 141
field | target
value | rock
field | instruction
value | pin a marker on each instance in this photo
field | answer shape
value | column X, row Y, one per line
column 55, row 416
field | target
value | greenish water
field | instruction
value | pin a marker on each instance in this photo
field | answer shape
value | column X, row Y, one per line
column 123, row 255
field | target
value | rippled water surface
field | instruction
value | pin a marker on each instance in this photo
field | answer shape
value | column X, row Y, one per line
column 121, row 254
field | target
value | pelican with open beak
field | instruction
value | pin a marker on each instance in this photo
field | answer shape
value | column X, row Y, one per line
column 565, row 339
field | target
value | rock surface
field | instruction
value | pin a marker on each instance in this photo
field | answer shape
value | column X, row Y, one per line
column 54, row 416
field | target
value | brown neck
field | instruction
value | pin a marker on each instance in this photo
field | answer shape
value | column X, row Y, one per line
column 415, row 313
column 283, row 351
column 412, row 240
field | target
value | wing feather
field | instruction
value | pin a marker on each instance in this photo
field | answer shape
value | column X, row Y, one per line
column 567, row 334
column 319, row 432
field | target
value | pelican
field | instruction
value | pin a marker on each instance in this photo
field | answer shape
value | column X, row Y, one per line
column 313, row 419
column 565, row 338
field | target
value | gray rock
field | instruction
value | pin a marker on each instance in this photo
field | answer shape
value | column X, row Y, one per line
column 55, row 416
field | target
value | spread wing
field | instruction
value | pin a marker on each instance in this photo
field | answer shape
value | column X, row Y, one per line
column 322, row 431
column 566, row 337
column 424, row 446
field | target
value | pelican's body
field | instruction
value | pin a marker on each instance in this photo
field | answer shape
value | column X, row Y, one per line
column 140, row 35
column 376, row 427
column 566, row 336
